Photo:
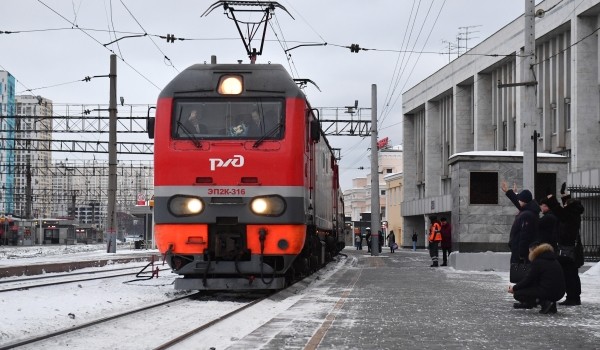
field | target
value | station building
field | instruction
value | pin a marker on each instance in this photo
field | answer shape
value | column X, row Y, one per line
column 463, row 126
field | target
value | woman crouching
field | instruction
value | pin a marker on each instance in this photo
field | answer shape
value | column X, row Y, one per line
column 544, row 284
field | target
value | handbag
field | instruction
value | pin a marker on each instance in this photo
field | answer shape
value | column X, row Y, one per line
column 395, row 245
column 518, row 271
column 567, row 252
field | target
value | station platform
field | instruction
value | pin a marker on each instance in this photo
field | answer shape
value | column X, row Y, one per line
column 35, row 260
column 397, row 301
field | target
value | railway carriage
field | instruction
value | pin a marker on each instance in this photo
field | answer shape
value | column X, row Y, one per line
column 234, row 209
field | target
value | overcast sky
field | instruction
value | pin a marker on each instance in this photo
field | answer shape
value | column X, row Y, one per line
column 39, row 56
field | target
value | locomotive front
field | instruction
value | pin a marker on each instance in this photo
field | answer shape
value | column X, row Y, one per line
column 234, row 201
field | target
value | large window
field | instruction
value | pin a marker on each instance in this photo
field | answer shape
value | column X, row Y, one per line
column 232, row 119
column 483, row 188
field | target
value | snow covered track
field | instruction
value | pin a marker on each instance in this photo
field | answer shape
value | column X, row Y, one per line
column 39, row 339
column 191, row 333
column 25, row 283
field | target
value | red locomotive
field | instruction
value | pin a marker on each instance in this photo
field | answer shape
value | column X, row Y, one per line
column 246, row 186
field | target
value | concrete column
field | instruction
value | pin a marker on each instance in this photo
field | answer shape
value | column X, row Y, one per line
column 584, row 102
column 410, row 158
column 560, row 91
column 433, row 150
column 483, row 139
column 463, row 119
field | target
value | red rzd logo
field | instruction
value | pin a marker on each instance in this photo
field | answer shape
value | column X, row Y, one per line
column 237, row 162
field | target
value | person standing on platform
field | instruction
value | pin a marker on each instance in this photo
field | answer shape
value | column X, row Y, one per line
column 524, row 230
column 414, row 241
column 569, row 222
column 435, row 237
column 446, row 241
column 391, row 240
column 548, row 225
column 358, row 241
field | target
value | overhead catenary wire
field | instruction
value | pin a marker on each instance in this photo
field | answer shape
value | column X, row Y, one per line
column 398, row 59
column 397, row 82
column 398, row 73
column 149, row 37
column 112, row 24
column 417, row 60
column 96, row 40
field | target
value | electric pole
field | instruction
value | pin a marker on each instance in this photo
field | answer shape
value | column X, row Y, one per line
column 112, row 158
column 375, row 207
column 528, row 96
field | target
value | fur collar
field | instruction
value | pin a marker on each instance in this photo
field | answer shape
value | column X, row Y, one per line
column 545, row 247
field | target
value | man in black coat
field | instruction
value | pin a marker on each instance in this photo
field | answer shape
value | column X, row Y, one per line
column 548, row 225
column 569, row 222
column 544, row 284
column 524, row 230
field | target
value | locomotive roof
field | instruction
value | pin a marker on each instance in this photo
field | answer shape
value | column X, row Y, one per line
column 259, row 80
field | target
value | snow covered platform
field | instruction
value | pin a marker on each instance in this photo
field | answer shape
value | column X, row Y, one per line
column 393, row 301
column 34, row 260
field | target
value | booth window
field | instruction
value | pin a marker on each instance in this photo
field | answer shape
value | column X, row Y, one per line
column 483, row 188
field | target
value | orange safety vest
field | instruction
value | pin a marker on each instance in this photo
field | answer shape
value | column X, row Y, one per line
column 434, row 232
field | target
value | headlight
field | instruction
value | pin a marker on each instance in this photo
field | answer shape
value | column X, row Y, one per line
column 268, row 205
column 230, row 85
column 185, row 205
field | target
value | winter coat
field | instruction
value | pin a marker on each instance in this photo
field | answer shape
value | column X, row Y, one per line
column 414, row 237
column 569, row 220
column 391, row 238
column 548, row 229
column 446, row 236
column 524, row 230
column 545, row 272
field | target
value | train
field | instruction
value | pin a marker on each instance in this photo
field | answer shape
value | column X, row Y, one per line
column 247, row 193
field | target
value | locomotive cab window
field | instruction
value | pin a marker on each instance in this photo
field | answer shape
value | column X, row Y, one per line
column 231, row 119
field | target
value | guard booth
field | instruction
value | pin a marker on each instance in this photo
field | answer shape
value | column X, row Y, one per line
column 144, row 212
column 87, row 234
column 57, row 231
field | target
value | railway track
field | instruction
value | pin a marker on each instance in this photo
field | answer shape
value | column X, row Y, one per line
column 91, row 324
column 207, row 325
column 147, row 326
column 17, row 284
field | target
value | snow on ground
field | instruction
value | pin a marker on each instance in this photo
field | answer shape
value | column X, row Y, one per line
column 29, row 313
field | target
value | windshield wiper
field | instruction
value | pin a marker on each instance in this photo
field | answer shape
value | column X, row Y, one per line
column 195, row 140
column 267, row 134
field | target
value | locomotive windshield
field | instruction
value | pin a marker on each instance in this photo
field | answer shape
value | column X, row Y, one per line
column 232, row 119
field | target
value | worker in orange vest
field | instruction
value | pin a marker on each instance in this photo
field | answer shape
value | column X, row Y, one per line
column 435, row 237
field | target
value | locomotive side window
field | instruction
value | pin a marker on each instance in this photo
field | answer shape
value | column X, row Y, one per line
column 235, row 119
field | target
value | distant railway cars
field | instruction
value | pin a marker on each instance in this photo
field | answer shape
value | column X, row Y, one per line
column 246, row 186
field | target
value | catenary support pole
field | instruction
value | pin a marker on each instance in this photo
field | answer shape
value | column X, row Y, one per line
column 375, row 207
column 112, row 158
column 527, row 105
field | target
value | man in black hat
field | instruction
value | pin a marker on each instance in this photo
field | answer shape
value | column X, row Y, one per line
column 524, row 230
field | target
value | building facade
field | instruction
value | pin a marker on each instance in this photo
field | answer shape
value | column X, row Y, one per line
column 393, row 202
column 357, row 200
column 33, row 156
column 454, row 118
column 7, row 140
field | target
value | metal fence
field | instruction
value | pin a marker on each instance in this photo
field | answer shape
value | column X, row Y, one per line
column 590, row 220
